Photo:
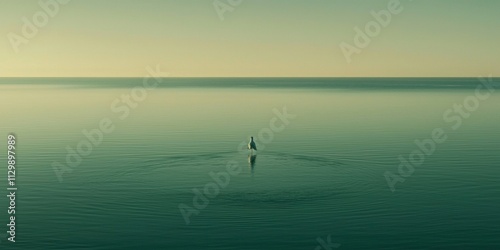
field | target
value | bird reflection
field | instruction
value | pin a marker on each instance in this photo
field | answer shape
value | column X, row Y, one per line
column 251, row 161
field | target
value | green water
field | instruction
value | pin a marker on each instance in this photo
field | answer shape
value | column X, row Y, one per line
column 318, row 172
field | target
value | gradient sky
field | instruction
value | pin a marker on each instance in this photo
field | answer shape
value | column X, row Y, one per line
column 288, row 38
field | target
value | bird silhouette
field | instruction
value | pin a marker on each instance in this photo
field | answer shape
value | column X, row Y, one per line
column 251, row 145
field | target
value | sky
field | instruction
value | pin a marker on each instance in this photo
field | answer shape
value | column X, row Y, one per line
column 257, row 38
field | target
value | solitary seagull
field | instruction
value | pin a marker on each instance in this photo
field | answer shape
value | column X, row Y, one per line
column 252, row 145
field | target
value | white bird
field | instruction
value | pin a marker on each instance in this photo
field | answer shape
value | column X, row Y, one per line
column 251, row 145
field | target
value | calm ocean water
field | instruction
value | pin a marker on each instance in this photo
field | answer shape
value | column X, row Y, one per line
column 319, row 172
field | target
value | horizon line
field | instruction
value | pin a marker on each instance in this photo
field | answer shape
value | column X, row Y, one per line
column 233, row 77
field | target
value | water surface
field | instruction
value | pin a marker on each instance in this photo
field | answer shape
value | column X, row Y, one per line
column 322, row 174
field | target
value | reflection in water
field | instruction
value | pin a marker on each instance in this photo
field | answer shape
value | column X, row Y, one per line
column 251, row 161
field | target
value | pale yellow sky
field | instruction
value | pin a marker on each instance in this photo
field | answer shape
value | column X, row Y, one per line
column 256, row 39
